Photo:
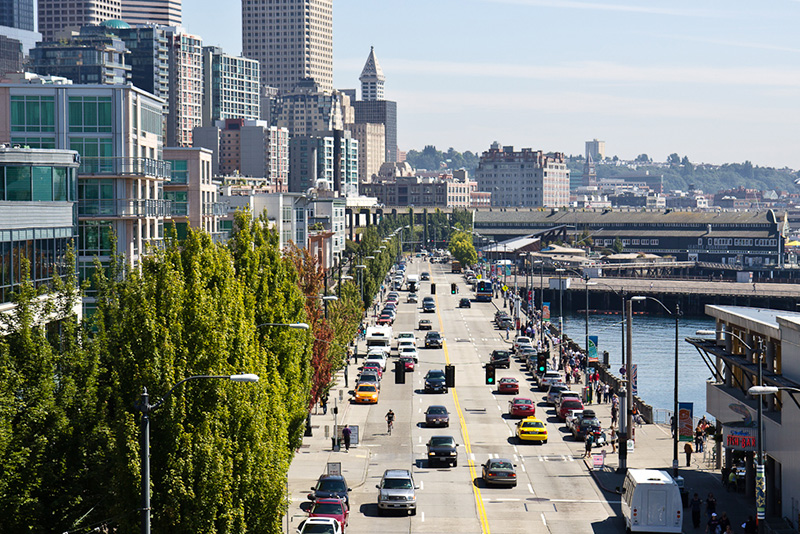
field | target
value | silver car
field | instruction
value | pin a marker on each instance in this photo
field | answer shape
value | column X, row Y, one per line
column 397, row 491
column 437, row 415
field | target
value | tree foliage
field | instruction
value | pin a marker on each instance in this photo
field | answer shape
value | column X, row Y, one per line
column 431, row 159
column 462, row 249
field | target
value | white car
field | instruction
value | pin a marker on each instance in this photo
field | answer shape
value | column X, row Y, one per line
column 522, row 340
column 378, row 357
column 548, row 378
column 319, row 525
column 406, row 336
column 409, row 352
column 404, row 344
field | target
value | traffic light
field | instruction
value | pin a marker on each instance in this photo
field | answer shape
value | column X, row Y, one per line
column 489, row 374
column 452, row 289
column 450, row 376
column 433, row 289
column 541, row 362
column 399, row 372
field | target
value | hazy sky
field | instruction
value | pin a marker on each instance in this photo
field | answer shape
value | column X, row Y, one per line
column 717, row 80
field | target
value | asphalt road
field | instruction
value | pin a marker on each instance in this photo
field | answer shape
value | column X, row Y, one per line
column 555, row 491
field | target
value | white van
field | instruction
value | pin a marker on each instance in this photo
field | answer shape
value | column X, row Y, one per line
column 379, row 337
column 412, row 282
column 651, row 502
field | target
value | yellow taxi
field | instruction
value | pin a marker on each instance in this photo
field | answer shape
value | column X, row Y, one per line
column 366, row 394
column 531, row 429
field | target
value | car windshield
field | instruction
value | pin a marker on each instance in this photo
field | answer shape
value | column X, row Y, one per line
column 318, row 528
column 366, row 388
column 397, row 483
column 332, row 485
column 439, row 441
column 508, row 380
column 571, row 405
column 437, row 410
column 590, row 422
column 433, row 335
column 532, row 424
column 436, row 374
column 409, row 350
column 327, row 508
column 500, row 465
column 523, row 401
column 500, row 354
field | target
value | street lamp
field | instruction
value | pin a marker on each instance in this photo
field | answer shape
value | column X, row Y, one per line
column 146, row 408
column 560, row 272
column 677, row 316
column 298, row 326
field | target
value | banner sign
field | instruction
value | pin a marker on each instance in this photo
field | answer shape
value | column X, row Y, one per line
column 740, row 438
column 634, row 380
column 761, row 500
column 546, row 312
column 592, row 349
column 686, row 421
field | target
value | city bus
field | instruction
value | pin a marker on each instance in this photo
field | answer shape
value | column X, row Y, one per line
column 483, row 291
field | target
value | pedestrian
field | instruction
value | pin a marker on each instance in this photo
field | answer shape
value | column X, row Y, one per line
column 698, row 438
column 587, row 451
column 712, row 527
column 507, row 329
column 711, row 505
column 613, row 432
column 324, row 403
column 345, row 374
column 696, row 505
column 688, row 450
column 750, row 526
column 614, row 413
column 346, row 437
column 724, row 522
column 567, row 376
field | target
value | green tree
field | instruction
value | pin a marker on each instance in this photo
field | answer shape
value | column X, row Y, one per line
column 674, row 159
column 618, row 247
column 462, row 249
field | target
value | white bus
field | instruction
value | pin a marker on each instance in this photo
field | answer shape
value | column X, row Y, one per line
column 651, row 502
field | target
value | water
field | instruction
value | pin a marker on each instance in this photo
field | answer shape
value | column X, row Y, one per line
column 653, row 353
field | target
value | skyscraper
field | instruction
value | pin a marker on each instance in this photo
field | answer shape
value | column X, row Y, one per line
column 372, row 78
column 230, row 87
column 291, row 40
column 186, row 86
column 17, row 14
column 56, row 15
column 164, row 12
column 373, row 109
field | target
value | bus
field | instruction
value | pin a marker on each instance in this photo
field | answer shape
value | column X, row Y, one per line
column 455, row 267
column 483, row 291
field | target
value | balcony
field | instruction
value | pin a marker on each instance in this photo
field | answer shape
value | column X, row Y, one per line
column 215, row 209
column 119, row 166
column 124, row 208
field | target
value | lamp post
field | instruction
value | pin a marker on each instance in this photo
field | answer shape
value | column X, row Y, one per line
column 677, row 316
column 624, row 435
column 560, row 272
column 147, row 408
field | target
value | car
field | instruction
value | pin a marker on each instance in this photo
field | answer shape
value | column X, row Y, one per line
column 373, row 365
column 394, row 294
column 442, row 450
column 567, row 393
column 555, row 389
column 377, row 356
column 566, row 406
column 524, row 354
column 333, row 508
column 369, row 376
column 328, row 486
column 409, row 352
column 531, row 429
column 548, row 378
column 521, row 340
column 521, row 407
column 506, row 323
column 319, row 525
column 397, row 491
column 406, row 336
column 425, row 324
column 508, row 384
column 408, row 363
column 405, row 344
column 433, row 340
column 425, row 276
column 499, row 472
column 500, row 359
column 390, row 311
column 464, row 303
column 385, row 319
column 365, row 394
column 428, row 305
column 585, row 426
column 412, row 297
column 437, row 415
column 435, row 381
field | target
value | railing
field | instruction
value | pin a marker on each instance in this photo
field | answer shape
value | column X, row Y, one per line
column 122, row 208
column 215, row 209
column 120, row 166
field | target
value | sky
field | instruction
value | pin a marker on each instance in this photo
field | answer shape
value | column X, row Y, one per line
column 715, row 80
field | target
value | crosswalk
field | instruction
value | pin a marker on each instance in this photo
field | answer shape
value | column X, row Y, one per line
column 540, row 457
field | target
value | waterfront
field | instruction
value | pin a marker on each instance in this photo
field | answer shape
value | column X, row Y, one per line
column 653, row 353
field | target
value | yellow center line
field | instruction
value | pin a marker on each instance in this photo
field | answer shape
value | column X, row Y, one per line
column 467, row 445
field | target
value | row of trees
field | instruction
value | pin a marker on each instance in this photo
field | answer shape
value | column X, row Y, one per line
column 220, row 451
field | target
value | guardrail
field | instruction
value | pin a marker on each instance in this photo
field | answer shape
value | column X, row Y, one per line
column 122, row 166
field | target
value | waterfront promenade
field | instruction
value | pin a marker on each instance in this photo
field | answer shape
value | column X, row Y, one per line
column 656, row 287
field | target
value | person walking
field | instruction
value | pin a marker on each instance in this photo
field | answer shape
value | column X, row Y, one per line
column 750, row 526
column 712, row 527
column 614, row 413
column 711, row 505
column 587, row 451
column 346, row 438
column 688, row 450
column 696, row 506
column 698, row 438
column 324, row 403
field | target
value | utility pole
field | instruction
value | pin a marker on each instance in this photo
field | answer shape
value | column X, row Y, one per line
column 623, row 451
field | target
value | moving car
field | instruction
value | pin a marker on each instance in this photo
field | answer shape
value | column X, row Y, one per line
column 548, row 378
column 397, row 491
column 377, row 356
column 409, row 364
column 500, row 359
column 499, row 472
column 437, row 415
column 409, row 352
column 425, row 276
column 508, row 384
column 333, row 508
column 433, row 340
column 465, row 303
column 319, row 525
column 385, row 319
column 328, row 486
column 521, row 407
column 369, row 377
column 425, row 324
column 374, row 366
column 406, row 336
column 428, row 305
column 365, row 394
column 435, row 381
column 442, row 450
column 553, row 392
column 521, row 340
column 531, row 429
column 412, row 297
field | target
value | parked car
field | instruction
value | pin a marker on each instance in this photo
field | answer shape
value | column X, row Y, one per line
column 334, row 508
column 435, row 381
column 464, row 303
column 397, row 491
column 555, row 389
column 433, row 340
column 500, row 359
column 437, row 415
column 521, row 407
column 425, row 324
column 499, row 472
column 508, row 384
column 442, row 450
column 328, row 486
column 566, row 406
column 531, row 429
column 319, row 525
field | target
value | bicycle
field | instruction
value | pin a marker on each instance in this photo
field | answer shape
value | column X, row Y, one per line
column 389, row 425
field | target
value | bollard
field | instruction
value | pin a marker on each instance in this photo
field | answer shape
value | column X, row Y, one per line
column 327, row 431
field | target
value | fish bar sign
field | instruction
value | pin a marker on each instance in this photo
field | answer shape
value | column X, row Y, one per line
column 740, row 439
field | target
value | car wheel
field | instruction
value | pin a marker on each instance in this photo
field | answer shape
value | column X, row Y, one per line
column 455, row 463
column 413, row 511
column 447, row 425
column 544, row 441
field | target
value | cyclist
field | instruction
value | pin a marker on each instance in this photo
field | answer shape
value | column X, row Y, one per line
column 389, row 420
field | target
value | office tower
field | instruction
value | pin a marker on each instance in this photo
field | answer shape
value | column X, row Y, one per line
column 596, row 149
column 164, row 12
column 57, row 15
column 307, row 109
column 94, row 56
column 371, row 149
column 148, row 57
column 291, row 40
column 10, row 55
column 16, row 22
column 372, row 78
column 230, row 87
column 528, row 178
column 186, row 86
column 324, row 160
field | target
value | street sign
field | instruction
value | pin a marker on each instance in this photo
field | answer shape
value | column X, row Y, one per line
column 334, row 469
column 598, row 460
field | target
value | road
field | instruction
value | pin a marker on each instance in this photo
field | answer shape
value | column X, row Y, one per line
column 555, row 491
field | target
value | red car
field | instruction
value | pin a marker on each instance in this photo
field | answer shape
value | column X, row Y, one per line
column 385, row 319
column 566, row 406
column 509, row 385
column 373, row 366
column 333, row 508
column 408, row 362
column 521, row 407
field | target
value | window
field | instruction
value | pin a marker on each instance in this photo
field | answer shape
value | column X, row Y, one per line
column 18, row 183
column 180, row 172
column 32, row 114
column 89, row 114
column 42, row 183
column 95, row 154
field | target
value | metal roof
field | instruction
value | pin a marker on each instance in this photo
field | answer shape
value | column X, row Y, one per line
column 600, row 217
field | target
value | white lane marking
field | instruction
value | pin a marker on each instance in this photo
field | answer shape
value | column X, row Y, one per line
column 570, row 458
column 588, row 501
column 523, row 467
column 419, row 439
column 421, row 485
column 516, row 458
column 507, row 499
column 472, row 456
column 544, row 520
column 423, row 517
column 419, row 410
column 530, row 489
column 516, row 450
column 541, row 458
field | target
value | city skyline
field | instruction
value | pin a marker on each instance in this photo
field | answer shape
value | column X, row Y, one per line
column 717, row 83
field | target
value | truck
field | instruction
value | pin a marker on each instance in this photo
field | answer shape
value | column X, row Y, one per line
column 379, row 337
column 455, row 267
column 412, row 282
column 651, row 502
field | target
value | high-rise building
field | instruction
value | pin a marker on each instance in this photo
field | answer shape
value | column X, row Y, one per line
column 291, row 40
column 372, row 78
column 192, row 191
column 307, row 109
column 164, row 12
column 596, row 149
column 230, row 87
column 380, row 112
column 58, row 15
column 326, row 161
column 186, row 86
column 96, row 55
column 16, row 22
column 371, row 149
column 10, row 55
column 528, row 178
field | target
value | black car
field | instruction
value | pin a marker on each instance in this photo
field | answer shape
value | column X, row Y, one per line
column 442, row 449
column 331, row 486
column 425, row 276
column 464, row 303
column 500, row 359
column 428, row 305
column 435, row 382
column 433, row 340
